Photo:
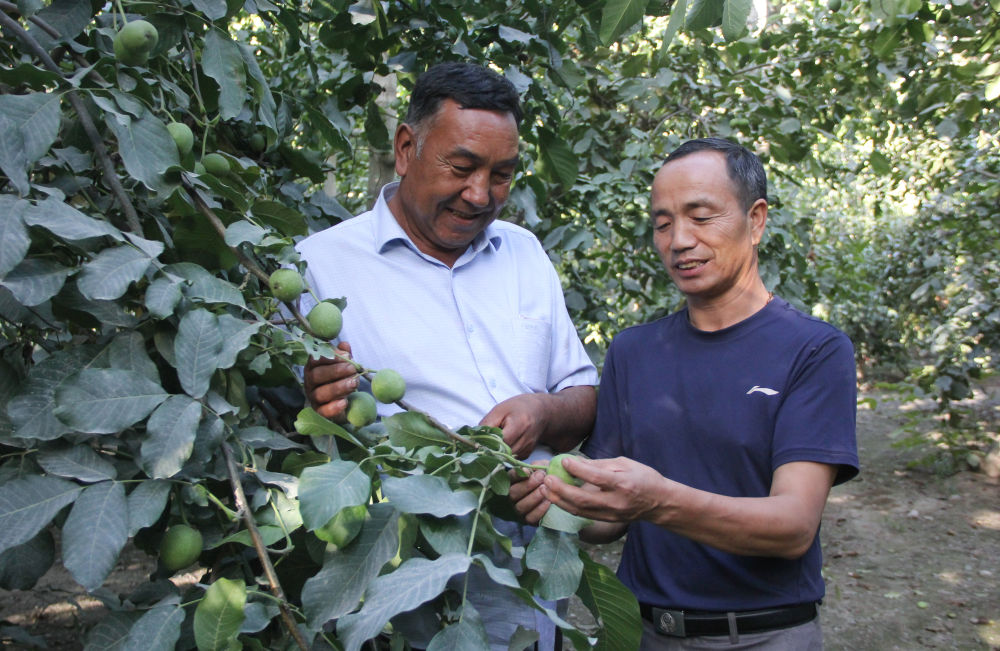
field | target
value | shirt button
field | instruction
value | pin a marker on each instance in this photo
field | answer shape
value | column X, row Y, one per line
column 471, row 329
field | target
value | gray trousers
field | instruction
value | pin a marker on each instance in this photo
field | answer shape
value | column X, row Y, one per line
column 804, row 637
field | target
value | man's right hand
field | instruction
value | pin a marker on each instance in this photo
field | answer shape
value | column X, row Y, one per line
column 328, row 382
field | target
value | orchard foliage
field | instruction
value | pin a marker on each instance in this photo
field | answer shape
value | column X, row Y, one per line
column 148, row 375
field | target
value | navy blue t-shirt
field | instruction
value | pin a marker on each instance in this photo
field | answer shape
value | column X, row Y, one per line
column 720, row 411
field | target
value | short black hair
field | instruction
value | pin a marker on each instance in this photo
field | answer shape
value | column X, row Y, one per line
column 471, row 86
column 744, row 167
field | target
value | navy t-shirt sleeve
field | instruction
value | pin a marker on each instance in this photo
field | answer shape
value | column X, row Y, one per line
column 817, row 418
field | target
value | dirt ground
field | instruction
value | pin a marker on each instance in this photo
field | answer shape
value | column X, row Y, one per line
column 911, row 557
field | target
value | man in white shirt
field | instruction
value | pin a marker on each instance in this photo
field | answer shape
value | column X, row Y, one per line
column 467, row 309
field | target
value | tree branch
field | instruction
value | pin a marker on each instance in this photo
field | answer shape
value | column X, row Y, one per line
column 258, row 544
column 220, row 228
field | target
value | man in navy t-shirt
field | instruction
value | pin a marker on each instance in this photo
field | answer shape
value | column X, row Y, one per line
column 720, row 429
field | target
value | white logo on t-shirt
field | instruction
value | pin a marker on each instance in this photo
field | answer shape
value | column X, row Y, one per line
column 764, row 390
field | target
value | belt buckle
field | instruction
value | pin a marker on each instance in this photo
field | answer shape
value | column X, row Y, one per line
column 669, row 622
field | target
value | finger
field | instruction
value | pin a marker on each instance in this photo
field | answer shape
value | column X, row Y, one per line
column 536, row 514
column 587, row 501
column 599, row 472
column 326, row 373
column 566, row 496
column 521, row 446
column 335, row 410
column 330, row 391
column 530, row 503
column 517, row 434
column 520, row 487
column 519, row 474
column 494, row 418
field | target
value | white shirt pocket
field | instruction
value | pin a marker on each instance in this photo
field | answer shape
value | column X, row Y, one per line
column 532, row 350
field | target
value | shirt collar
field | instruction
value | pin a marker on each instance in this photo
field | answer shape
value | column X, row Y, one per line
column 389, row 233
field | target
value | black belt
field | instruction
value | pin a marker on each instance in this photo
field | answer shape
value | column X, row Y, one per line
column 691, row 623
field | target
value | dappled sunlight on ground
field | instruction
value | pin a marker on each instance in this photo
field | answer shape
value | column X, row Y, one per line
column 990, row 634
column 986, row 519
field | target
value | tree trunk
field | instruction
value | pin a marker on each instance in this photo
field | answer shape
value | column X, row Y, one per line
column 382, row 164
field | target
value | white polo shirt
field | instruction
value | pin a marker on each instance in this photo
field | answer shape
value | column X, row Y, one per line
column 464, row 338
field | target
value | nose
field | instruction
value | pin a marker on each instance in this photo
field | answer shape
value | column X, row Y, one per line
column 681, row 236
column 477, row 189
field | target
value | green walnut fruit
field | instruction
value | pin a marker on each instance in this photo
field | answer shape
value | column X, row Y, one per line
column 325, row 320
column 180, row 547
column 183, row 137
column 126, row 56
column 556, row 469
column 388, row 386
column 833, row 5
column 216, row 164
column 138, row 37
column 258, row 142
column 286, row 284
column 361, row 409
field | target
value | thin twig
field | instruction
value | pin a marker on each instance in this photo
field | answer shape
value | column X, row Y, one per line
column 433, row 421
column 110, row 175
column 194, row 73
column 769, row 64
column 258, row 544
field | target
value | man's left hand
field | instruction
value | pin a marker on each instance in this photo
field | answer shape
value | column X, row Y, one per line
column 560, row 420
column 523, row 419
column 616, row 490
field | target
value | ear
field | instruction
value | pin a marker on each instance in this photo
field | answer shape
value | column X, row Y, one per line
column 404, row 147
column 758, row 220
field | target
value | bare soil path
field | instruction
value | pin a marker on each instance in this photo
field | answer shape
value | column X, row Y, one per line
column 912, row 559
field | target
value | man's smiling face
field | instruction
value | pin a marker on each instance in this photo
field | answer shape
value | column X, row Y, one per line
column 456, row 172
